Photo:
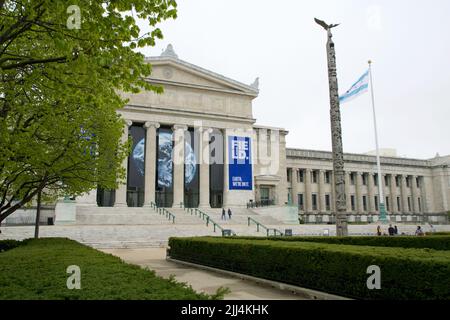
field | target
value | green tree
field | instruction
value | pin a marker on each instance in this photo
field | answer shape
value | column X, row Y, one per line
column 62, row 71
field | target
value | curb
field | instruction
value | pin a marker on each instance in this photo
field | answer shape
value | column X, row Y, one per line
column 303, row 292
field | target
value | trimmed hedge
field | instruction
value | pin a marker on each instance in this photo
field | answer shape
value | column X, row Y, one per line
column 6, row 245
column 419, row 274
column 435, row 242
column 36, row 270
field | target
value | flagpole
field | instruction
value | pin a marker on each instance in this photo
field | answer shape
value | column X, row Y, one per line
column 380, row 185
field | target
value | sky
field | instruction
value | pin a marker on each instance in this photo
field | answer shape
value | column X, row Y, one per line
column 279, row 42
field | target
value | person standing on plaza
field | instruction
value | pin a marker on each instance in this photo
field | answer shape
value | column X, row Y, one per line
column 419, row 231
column 378, row 231
column 391, row 230
column 395, row 230
column 229, row 213
column 223, row 214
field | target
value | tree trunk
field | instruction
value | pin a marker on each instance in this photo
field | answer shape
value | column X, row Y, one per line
column 38, row 215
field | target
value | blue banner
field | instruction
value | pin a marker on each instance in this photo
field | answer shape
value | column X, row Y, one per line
column 239, row 163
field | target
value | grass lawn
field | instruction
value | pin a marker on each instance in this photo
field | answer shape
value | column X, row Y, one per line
column 37, row 270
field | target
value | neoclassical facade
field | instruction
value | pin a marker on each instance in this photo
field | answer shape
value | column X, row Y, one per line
column 198, row 145
column 411, row 187
column 207, row 110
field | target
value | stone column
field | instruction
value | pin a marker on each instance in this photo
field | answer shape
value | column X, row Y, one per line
column 121, row 192
column 204, row 167
column 178, row 165
column 404, row 193
column 322, row 205
column 414, row 194
column 308, row 194
column 348, row 199
column 393, row 195
column 358, row 189
column 294, row 183
column 150, row 162
column 226, row 188
column 371, row 193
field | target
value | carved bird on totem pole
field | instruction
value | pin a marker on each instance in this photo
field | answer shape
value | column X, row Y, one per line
column 324, row 25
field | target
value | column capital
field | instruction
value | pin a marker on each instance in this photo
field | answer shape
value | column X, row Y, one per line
column 204, row 129
column 149, row 124
column 176, row 127
column 359, row 173
column 128, row 122
column 308, row 170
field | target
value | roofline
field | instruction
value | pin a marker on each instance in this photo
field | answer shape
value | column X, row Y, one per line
column 247, row 89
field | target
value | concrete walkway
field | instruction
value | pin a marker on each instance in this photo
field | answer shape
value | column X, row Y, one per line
column 200, row 280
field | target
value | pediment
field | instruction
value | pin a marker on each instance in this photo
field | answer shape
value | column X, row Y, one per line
column 180, row 73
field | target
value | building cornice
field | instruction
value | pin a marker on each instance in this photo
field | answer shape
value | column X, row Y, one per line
column 352, row 157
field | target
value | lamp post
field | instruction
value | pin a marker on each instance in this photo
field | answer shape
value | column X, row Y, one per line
column 336, row 135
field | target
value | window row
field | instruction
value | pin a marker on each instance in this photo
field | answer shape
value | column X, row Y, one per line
column 299, row 177
column 365, row 206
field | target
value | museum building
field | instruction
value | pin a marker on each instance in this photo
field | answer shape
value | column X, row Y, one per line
column 197, row 145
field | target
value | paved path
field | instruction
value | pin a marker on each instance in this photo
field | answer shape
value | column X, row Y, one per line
column 200, row 280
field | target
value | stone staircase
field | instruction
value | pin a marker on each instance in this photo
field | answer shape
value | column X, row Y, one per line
column 118, row 216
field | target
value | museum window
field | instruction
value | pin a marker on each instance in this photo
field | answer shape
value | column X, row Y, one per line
column 376, row 203
column 136, row 166
column 364, row 198
column 397, row 181
column 388, row 207
column 301, row 204
column 420, row 204
column 314, row 201
column 399, row 204
column 328, row 202
column 191, row 170
column 409, row 204
column 216, row 168
column 386, row 181
column 408, row 182
column 418, row 182
column 314, row 176
column 301, row 174
column 164, row 167
column 288, row 174
column 327, row 177
column 352, row 178
column 364, row 179
column 352, row 202
column 375, row 180
column 106, row 198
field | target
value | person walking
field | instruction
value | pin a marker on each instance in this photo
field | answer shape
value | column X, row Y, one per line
column 223, row 214
column 229, row 213
column 395, row 230
column 378, row 231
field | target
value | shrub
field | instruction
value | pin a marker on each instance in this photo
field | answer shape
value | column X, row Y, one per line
column 405, row 273
column 6, row 245
column 436, row 242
